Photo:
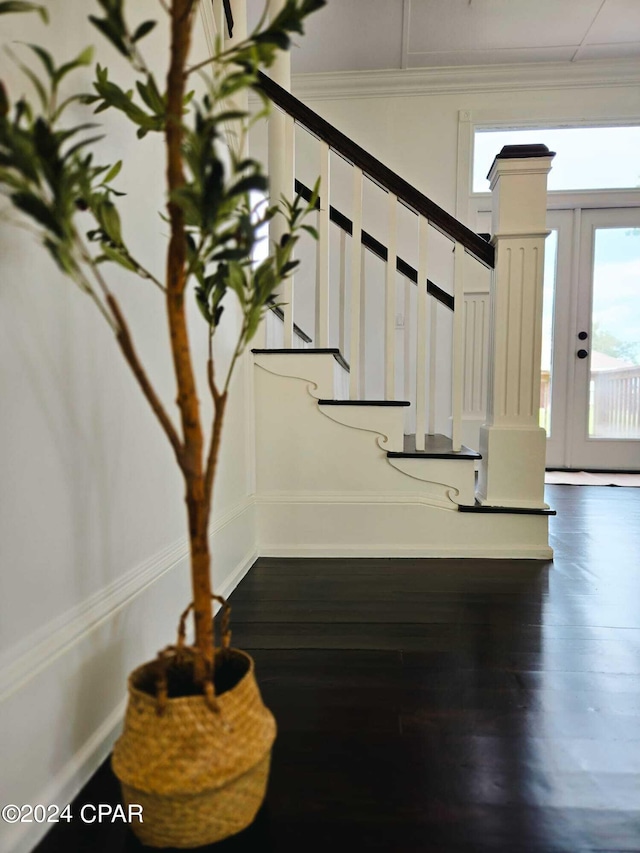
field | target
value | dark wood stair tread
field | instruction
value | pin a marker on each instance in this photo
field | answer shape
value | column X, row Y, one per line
column 307, row 351
column 436, row 447
column 364, row 402
column 506, row 510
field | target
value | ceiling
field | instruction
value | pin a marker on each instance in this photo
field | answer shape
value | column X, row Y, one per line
column 358, row 35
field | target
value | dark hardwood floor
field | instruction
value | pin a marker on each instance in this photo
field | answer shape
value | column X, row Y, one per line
column 444, row 705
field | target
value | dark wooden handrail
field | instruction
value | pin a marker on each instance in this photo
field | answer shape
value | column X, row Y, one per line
column 380, row 250
column 375, row 169
column 228, row 15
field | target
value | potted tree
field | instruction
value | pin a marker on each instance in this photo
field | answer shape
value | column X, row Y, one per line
column 196, row 745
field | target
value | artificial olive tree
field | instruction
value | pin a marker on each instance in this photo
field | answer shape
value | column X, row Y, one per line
column 48, row 172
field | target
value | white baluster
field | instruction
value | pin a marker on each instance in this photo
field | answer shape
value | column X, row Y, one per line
column 322, row 266
column 421, row 337
column 457, row 368
column 407, row 339
column 390, row 305
column 287, row 289
column 431, row 408
column 281, row 167
column 356, row 269
column 342, row 293
column 363, row 325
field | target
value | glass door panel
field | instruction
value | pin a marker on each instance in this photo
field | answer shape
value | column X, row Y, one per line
column 614, row 384
column 606, row 411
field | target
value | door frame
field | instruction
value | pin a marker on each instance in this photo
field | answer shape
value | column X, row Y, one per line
column 584, row 451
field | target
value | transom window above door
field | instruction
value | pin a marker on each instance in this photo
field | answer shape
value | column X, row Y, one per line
column 587, row 158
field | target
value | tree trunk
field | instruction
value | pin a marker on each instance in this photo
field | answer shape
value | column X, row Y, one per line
column 193, row 443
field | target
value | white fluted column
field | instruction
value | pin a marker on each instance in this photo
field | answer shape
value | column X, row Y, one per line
column 511, row 442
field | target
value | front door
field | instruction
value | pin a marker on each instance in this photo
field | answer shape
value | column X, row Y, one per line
column 590, row 372
column 604, row 423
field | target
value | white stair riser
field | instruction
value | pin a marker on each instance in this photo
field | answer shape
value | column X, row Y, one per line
column 458, row 473
column 320, row 369
column 386, row 421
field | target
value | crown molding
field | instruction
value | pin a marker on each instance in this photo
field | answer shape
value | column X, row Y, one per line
column 473, row 78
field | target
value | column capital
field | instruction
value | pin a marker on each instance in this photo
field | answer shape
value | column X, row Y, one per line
column 520, row 160
column 518, row 180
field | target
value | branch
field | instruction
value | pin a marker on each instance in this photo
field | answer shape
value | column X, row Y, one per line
column 80, row 279
column 143, row 272
column 219, row 404
column 123, row 337
column 236, row 356
column 218, row 57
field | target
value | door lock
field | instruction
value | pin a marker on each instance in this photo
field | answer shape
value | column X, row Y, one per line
column 582, row 336
column 582, row 353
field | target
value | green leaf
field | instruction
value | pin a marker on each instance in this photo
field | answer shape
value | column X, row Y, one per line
column 45, row 58
column 231, row 115
column 113, row 172
column 35, row 208
column 252, row 182
column 118, row 257
column 112, row 33
column 83, row 58
column 109, row 218
column 236, row 280
column 37, row 85
column 143, row 30
column 19, row 6
column 151, row 95
column 82, row 144
column 311, row 230
column 203, row 304
column 82, row 99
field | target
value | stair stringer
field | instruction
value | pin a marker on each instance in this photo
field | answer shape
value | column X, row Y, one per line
column 458, row 474
column 327, row 489
column 385, row 421
column 320, row 369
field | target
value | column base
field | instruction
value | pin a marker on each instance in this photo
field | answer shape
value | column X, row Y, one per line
column 512, row 467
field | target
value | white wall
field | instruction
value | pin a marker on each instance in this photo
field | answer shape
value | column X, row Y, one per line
column 93, row 544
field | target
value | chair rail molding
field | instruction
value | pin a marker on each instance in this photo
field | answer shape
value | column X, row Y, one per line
column 29, row 657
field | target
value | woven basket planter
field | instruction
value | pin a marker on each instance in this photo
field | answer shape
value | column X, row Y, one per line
column 198, row 765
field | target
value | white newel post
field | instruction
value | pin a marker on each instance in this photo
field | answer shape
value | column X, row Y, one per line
column 281, row 166
column 511, row 442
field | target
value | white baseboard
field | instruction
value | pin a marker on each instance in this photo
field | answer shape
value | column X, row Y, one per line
column 65, row 785
column 238, row 573
column 401, row 552
column 391, row 525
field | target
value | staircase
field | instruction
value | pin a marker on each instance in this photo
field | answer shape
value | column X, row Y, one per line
column 359, row 425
